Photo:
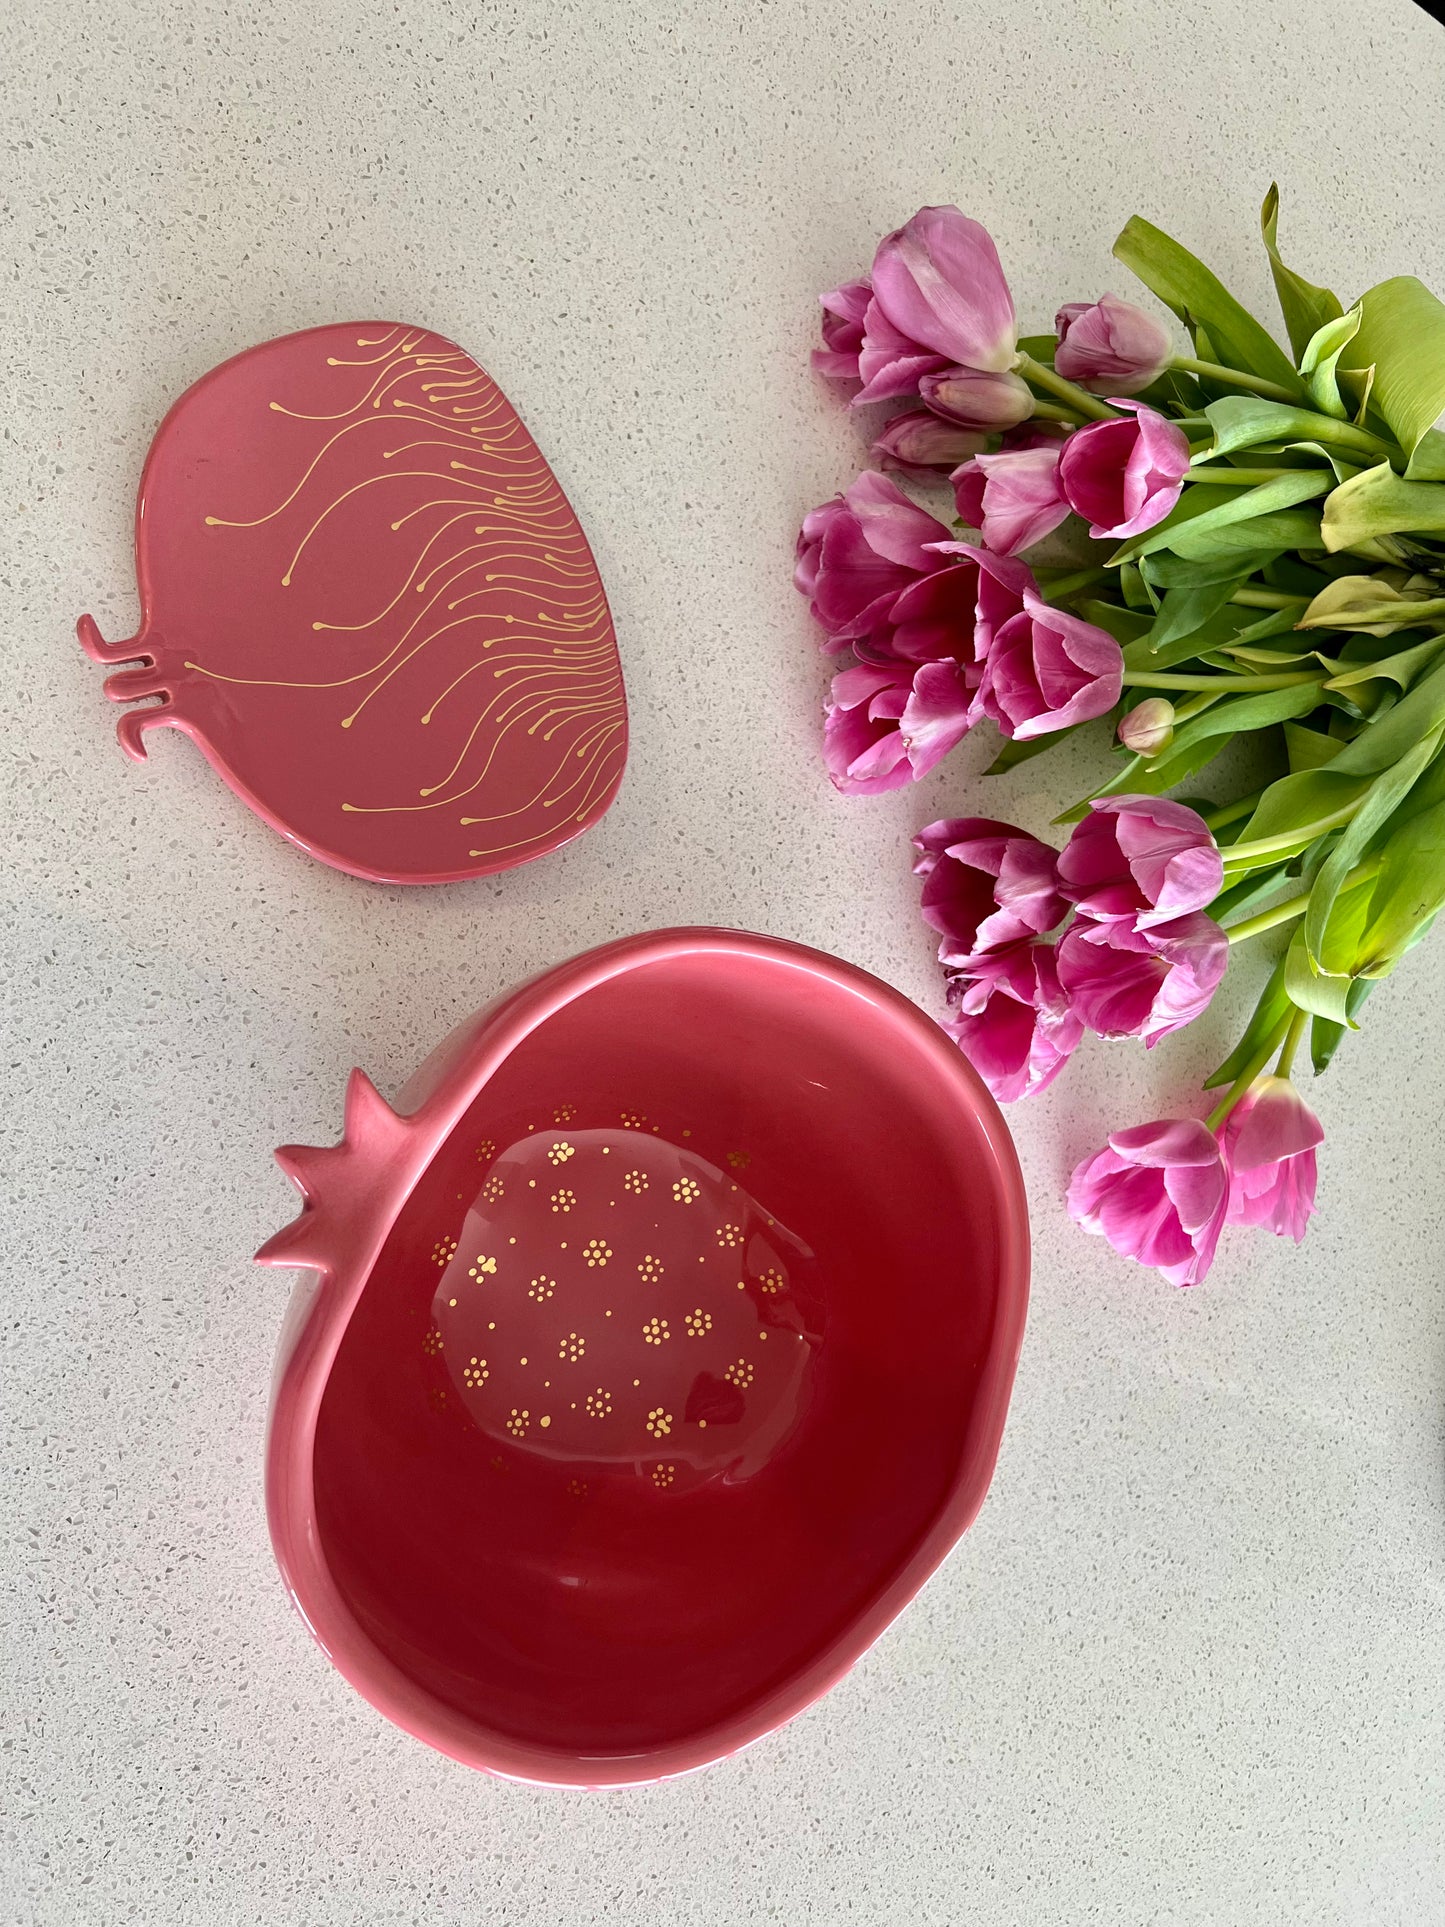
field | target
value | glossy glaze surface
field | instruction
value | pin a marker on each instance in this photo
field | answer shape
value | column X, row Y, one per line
column 674, row 1358
column 367, row 599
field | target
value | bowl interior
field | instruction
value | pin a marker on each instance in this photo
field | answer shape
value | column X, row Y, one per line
column 667, row 1366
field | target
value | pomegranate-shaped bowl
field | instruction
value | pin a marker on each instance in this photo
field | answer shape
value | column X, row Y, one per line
column 659, row 1350
column 367, row 600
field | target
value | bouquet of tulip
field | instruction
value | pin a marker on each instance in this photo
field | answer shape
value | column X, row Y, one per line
column 1264, row 556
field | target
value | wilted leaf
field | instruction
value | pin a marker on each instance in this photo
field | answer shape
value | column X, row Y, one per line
column 1304, row 306
column 1378, row 502
column 1402, row 332
column 1317, row 363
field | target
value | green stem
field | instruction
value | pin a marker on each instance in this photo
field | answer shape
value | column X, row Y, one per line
column 1290, row 841
column 1161, row 679
column 1236, row 378
column 1077, row 398
column 1295, row 906
column 1291, row 1044
column 1193, row 706
column 1235, row 477
column 1047, row 411
column 1231, row 812
column 1268, row 599
column 1247, row 1076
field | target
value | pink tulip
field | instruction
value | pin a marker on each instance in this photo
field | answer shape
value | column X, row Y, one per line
column 976, row 399
column 920, row 443
column 1012, row 498
column 1014, row 1024
column 1126, row 982
column 986, row 884
column 1000, row 584
column 1124, row 476
column 1047, row 669
column 1270, row 1138
column 1158, row 1193
column 1144, row 858
column 891, row 363
column 859, row 552
column 889, row 723
column 843, row 312
column 1110, row 346
column 939, row 283
column 1149, row 726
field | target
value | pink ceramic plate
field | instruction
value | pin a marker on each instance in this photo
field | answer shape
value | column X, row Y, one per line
column 366, row 598
column 660, row 1350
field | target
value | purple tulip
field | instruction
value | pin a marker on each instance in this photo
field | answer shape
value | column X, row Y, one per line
column 889, row 723
column 1143, row 858
column 1015, row 496
column 857, row 555
column 921, row 443
column 843, row 312
column 1110, row 346
column 1158, row 1193
column 1124, row 476
column 1014, row 1024
column 1123, row 981
column 1270, row 1138
column 1000, row 583
column 939, row 283
column 986, row 884
column 976, row 399
column 1047, row 669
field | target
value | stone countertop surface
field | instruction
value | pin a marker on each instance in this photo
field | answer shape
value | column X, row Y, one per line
column 1188, row 1667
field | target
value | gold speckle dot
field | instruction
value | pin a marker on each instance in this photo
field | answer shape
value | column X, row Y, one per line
column 702, row 1425
column 561, row 1151
column 636, row 1381
column 524, row 1361
column 659, row 1422
column 485, row 1267
column 544, row 1420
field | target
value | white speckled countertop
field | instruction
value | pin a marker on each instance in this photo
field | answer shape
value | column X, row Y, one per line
column 1189, row 1666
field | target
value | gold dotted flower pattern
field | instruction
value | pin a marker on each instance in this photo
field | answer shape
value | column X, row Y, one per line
column 431, row 1343
column 635, row 1182
column 563, row 1200
column 518, row 1422
column 659, row 1422
column 598, row 1404
column 541, row 1289
column 698, row 1323
column 564, row 1113
column 771, row 1282
column 649, row 1268
column 486, row 1150
column 663, row 1475
column 485, row 1267
column 561, row 1151
column 655, row 1331
column 572, row 1347
column 730, row 1236
column 632, row 1120
column 687, row 1190
column 437, row 1398
column 739, row 1160
column 596, row 1253
column 443, row 1251
column 739, row 1374
column 493, row 1191
column 475, row 1374
column 576, row 1488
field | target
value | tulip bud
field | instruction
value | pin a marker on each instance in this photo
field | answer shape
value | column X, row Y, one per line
column 1149, row 726
column 976, row 399
column 920, row 443
column 1110, row 346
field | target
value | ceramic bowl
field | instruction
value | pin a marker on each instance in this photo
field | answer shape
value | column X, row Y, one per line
column 659, row 1351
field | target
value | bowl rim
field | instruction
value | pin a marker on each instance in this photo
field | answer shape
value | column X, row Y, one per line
column 340, row 1234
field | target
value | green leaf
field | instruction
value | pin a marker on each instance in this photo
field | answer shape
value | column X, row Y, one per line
column 1308, row 748
column 1218, row 631
column 1325, row 1036
column 1248, row 421
column 1124, row 625
column 1402, row 333
column 1370, row 603
column 1378, row 502
column 1296, row 809
column 1325, row 989
column 1385, row 742
column 1271, row 1014
column 1286, row 528
column 1318, row 362
column 1221, row 508
column 1167, row 571
column 1138, row 594
column 1138, row 778
column 1184, row 612
column 1241, row 713
column 1249, row 894
column 1401, row 668
column 1014, row 752
column 1304, row 306
column 1384, row 796
column 1197, row 296
column 1409, row 891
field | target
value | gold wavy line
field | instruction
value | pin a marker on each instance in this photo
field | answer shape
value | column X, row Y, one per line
column 387, row 361
column 390, row 475
column 572, row 666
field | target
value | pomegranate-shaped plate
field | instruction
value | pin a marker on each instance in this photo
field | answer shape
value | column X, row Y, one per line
column 660, row 1350
column 365, row 596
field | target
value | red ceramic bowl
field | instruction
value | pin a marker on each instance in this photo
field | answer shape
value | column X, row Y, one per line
column 660, row 1351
